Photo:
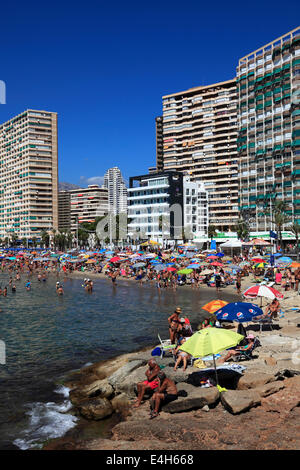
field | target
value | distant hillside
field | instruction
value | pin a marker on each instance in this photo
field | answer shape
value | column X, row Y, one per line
column 67, row 186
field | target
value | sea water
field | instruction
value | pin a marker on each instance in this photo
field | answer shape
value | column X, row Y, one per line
column 47, row 336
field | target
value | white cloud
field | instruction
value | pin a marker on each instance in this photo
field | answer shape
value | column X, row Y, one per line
column 92, row 180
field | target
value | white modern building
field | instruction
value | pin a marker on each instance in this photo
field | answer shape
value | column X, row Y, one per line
column 117, row 191
column 166, row 206
column 195, row 210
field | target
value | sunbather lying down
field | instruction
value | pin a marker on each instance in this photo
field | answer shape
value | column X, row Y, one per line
column 237, row 350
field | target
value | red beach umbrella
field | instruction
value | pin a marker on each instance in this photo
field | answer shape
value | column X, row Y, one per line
column 115, row 259
column 215, row 263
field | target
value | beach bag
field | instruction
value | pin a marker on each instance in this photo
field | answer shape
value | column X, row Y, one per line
column 199, row 364
column 156, row 352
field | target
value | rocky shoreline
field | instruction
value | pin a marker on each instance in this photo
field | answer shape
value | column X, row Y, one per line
column 259, row 411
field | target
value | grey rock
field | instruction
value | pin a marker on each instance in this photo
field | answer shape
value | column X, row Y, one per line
column 96, row 408
column 117, row 377
column 254, row 379
column 238, row 401
column 120, row 402
column 197, row 398
column 128, row 385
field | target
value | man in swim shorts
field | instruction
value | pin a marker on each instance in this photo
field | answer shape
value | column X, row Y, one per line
column 166, row 393
column 150, row 384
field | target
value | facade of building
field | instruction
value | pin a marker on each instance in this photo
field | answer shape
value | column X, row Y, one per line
column 87, row 204
column 64, row 210
column 269, row 130
column 159, row 143
column 195, row 210
column 117, row 191
column 28, row 175
column 166, row 205
column 199, row 139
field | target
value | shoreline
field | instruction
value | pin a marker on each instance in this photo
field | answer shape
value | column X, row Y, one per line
column 274, row 357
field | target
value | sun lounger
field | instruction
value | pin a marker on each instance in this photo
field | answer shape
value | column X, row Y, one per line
column 246, row 354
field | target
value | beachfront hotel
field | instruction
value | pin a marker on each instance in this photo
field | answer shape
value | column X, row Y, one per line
column 64, row 210
column 86, row 204
column 269, row 130
column 199, row 139
column 117, row 191
column 166, row 205
column 28, row 175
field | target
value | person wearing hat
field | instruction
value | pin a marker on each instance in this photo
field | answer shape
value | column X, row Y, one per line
column 174, row 324
column 233, row 352
column 166, row 393
column 185, row 328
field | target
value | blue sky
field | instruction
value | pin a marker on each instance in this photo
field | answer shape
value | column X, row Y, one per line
column 104, row 66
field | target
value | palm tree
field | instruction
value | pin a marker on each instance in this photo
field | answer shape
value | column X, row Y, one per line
column 295, row 229
column 242, row 229
column 280, row 218
column 211, row 231
column 45, row 238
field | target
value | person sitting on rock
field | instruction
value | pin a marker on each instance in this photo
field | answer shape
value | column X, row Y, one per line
column 166, row 393
column 148, row 385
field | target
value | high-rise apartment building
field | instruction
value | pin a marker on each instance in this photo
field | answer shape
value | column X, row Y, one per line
column 28, row 174
column 199, row 139
column 87, row 204
column 64, row 210
column 268, row 82
column 159, row 143
column 195, row 209
column 117, row 191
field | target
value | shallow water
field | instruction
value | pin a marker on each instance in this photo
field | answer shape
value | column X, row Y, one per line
column 47, row 336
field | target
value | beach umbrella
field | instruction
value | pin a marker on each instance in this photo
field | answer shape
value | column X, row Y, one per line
column 139, row 265
column 295, row 264
column 205, row 272
column 233, row 266
column 115, row 259
column 212, row 257
column 260, row 265
column 159, row 267
column 239, row 311
column 185, row 271
column 220, row 255
column 216, row 263
column 284, row 260
column 211, row 341
column 149, row 243
column 262, row 291
column 193, row 266
column 258, row 260
column 170, row 269
column 214, row 305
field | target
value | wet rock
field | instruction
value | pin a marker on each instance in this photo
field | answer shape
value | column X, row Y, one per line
column 238, row 401
column 120, row 403
column 96, row 408
column 197, row 398
column 98, row 388
column 254, row 379
column 117, row 377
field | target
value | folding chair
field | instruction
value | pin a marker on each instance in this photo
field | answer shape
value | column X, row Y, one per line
column 165, row 345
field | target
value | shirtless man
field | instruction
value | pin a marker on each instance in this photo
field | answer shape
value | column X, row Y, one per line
column 166, row 393
column 150, row 384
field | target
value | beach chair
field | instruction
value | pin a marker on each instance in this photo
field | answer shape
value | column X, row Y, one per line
column 165, row 346
column 247, row 355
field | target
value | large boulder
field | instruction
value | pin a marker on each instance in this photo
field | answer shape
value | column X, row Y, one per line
column 270, row 388
column 254, row 379
column 238, row 401
column 96, row 408
column 120, row 375
column 286, row 399
column 197, row 398
column 129, row 384
column 98, row 388
column 121, row 403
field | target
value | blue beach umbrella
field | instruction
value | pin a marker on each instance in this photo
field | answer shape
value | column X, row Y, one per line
column 193, row 266
column 239, row 311
column 220, row 254
column 284, row 259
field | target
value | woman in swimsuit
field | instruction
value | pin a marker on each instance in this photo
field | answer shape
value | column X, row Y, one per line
column 174, row 324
